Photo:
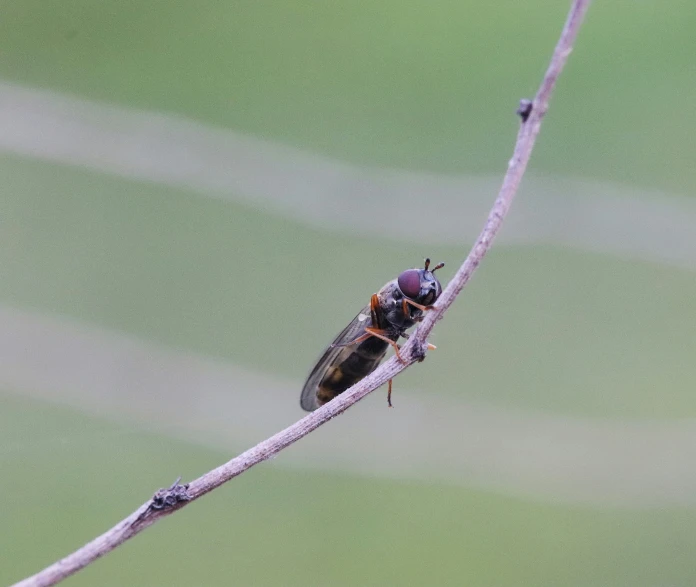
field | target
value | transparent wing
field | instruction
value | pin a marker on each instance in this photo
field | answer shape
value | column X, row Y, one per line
column 356, row 328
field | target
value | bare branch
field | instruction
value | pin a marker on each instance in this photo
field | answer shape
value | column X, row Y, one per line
column 532, row 115
column 167, row 501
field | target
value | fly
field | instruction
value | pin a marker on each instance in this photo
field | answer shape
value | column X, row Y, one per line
column 358, row 349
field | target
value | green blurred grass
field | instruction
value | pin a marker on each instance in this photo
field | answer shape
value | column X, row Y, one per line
column 429, row 85
column 76, row 476
column 580, row 333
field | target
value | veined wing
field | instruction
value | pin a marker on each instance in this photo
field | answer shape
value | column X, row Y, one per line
column 356, row 328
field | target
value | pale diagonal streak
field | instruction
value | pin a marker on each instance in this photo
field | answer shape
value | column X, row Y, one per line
column 632, row 463
column 602, row 217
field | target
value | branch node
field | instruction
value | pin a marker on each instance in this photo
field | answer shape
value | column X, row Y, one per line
column 525, row 109
column 171, row 496
column 420, row 349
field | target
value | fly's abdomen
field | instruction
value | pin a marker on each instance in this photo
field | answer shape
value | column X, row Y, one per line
column 350, row 366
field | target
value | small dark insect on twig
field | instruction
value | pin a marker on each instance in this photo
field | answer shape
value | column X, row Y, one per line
column 358, row 349
column 178, row 496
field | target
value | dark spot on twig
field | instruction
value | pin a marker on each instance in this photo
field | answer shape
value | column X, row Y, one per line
column 525, row 109
column 419, row 351
column 168, row 498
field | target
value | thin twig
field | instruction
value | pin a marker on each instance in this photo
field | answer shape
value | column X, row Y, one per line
column 167, row 501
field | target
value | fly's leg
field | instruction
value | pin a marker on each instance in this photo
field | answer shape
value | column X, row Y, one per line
column 374, row 309
column 382, row 334
column 389, row 394
column 421, row 307
column 361, row 338
column 431, row 347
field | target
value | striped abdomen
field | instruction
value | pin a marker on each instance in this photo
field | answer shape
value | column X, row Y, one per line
column 351, row 365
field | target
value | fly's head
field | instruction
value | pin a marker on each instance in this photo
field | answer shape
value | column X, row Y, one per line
column 421, row 285
column 417, row 285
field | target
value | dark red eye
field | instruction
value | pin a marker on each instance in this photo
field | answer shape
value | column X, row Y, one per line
column 410, row 283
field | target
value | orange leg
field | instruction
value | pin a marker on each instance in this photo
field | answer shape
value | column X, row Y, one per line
column 431, row 347
column 376, row 332
column 404, row 306
column 421, row 307
column 389, row 394
column 381, row 334
column 361, row 338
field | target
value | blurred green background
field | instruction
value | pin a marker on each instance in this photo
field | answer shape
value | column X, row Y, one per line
column 160, row 316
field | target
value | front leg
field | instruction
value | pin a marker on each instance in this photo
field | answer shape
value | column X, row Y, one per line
column 406, row 335
column 421, row 307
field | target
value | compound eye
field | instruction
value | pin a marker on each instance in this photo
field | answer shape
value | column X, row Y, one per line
column 410, row 283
